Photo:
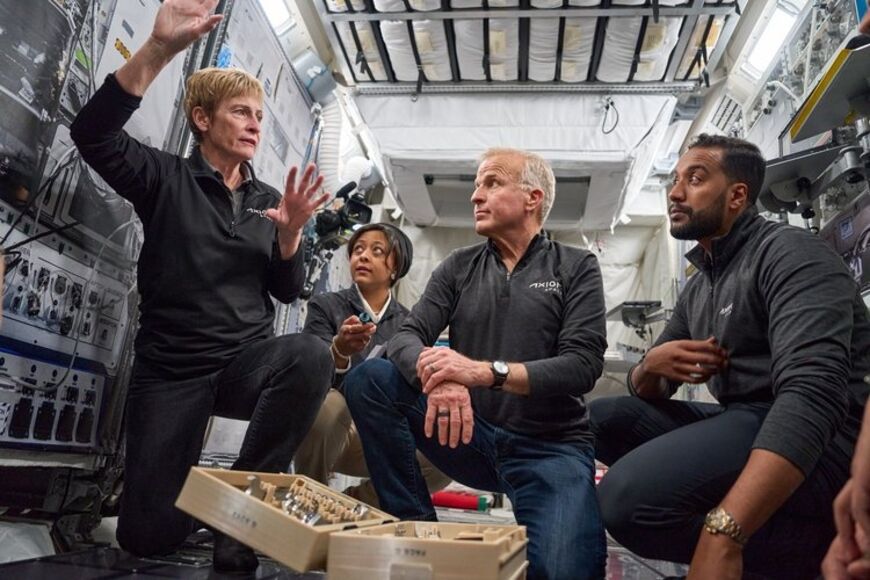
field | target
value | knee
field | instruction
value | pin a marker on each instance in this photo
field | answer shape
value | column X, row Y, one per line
column 602, row 410
column 333, row 415
column 309, row 358
column 618, row 500
column 611, row 421
column 314, row 356
column 373, row 379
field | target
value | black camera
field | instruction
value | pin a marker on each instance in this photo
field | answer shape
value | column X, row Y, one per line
column 333, row 227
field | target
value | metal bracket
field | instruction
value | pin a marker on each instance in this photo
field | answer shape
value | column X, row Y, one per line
column 797, row 193
column 418, row 89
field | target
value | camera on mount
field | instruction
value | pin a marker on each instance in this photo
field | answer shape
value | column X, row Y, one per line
column 334, row 227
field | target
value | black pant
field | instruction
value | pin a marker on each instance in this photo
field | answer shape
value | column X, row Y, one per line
column 671, row 462
column 279, row 384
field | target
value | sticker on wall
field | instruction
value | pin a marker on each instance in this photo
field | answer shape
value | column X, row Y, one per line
column 224, row 57
column 846, row 229
column 5, row 414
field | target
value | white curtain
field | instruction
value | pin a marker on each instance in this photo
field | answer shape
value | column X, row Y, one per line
column 566, row 129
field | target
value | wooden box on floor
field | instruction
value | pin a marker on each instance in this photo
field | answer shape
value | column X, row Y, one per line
column 217, row 497
column 428, row 550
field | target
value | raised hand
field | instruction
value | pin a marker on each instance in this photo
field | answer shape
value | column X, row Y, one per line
column 296, row 207
column 299, row 202
column 181, row 22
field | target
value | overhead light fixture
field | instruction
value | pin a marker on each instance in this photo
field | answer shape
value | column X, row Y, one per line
column 770, row 41
column 277, row 12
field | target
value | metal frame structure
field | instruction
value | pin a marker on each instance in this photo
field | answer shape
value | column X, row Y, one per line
column 698, row 8
column 382, row 88
column 692, row 13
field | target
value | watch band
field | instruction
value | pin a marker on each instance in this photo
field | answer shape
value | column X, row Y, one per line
column 498, row 378
column 719, row 521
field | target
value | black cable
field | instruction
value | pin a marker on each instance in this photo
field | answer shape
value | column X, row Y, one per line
column 32, row 199
column 610, row 105
column 89, row 52
column 47, row 232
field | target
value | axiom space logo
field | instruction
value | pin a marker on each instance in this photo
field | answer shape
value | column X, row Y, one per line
column 550, row 286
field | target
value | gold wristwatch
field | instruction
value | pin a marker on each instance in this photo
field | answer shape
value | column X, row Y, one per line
column 718, row 521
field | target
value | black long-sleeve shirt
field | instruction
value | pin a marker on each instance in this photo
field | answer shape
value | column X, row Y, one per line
column 548, row 314
column 784, row 306
column 205, row 273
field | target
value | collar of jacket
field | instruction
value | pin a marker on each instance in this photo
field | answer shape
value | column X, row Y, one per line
column 352, row 296
column 538, row 242
column 202, row 168
column 725, row 247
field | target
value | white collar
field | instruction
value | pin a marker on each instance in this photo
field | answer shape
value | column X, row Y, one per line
column 376, row 316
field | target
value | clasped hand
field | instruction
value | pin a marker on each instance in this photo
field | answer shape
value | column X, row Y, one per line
column 436, row 365
column 449, row 406
column 687, row 361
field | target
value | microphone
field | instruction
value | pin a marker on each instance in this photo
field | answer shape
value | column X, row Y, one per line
column 345, row 189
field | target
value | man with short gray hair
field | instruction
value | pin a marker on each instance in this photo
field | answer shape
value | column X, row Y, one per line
column 527, row 341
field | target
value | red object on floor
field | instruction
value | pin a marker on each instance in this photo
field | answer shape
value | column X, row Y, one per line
column 465, row 501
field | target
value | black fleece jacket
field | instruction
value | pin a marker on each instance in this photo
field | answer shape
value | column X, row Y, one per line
column 784, row 306
column 205, row 274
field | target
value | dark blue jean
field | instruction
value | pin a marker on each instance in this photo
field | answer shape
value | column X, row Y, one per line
column 550, row 484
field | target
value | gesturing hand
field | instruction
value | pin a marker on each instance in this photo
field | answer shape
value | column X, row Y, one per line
column 299, row 201
column 687, row 361
column 353, row 335
column 181, row 22
column 449, row 405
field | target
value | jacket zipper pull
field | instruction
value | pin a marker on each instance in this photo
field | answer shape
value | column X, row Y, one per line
column 233, row 228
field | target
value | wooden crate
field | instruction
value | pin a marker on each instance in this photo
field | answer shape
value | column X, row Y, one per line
column 428, row 551
column 217, row 497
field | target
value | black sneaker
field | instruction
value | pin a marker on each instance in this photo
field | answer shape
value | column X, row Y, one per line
column 232, row 557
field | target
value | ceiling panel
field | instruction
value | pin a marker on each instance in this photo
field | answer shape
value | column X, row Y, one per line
column 641, row 44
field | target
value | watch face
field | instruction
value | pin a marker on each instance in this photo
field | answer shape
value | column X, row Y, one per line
column 500, row 367
column 717, row 519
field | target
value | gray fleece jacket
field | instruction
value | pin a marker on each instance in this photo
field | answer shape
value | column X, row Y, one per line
column 784, row 306
column 548, row 313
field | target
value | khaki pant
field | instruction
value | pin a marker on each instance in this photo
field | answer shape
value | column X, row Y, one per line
column 333, row 445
